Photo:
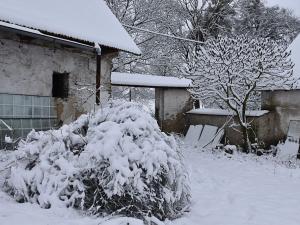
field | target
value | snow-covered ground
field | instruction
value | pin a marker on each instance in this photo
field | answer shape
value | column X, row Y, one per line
column 227, row 190
column 242, row 190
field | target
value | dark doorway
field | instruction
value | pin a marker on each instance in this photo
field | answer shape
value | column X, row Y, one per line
column 60, row 85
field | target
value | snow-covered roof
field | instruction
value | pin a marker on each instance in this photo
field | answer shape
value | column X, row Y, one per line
column 141, row 80
column 90, row 20
column 222, row 112
column 295, row 47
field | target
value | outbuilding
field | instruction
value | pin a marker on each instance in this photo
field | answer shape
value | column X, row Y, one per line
column 172, row 97
column 56, row 60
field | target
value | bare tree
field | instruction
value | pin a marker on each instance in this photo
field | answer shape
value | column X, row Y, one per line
column 230, row 70
column 254, row 18
column 155, row 15
column 193, row 19
column 206, row 18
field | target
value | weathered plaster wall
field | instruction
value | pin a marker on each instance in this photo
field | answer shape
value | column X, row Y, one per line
column 171, row 104
column 285, row 106
column 106, row 68
column 27, row 65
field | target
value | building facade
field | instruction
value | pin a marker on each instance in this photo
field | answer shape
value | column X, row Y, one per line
column 45, row 83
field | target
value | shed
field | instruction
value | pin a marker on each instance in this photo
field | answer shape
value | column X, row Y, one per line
column 172, row 98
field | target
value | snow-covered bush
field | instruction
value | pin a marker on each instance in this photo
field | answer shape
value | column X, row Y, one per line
column 116, row 161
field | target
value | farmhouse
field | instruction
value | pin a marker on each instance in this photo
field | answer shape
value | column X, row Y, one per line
column 55, row 59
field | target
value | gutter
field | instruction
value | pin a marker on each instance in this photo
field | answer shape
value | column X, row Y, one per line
column 50, row 38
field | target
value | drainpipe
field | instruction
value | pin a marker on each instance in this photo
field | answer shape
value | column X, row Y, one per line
column 98, row 72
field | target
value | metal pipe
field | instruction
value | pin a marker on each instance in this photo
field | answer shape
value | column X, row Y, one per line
column 98, row 73
column 6, row 125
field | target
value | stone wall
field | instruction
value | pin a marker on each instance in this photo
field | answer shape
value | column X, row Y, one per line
column 171, row 104
column 27, row 66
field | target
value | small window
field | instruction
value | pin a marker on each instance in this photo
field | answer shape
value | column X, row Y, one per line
column 60, row 88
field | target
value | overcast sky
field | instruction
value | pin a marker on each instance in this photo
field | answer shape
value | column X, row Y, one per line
column 292, row 4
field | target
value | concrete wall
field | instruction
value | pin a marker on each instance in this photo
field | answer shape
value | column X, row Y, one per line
column 171, row 104
column 27, row 65
column 271, row 128
column 232, row 136
column 260, row 126
column 285, row 106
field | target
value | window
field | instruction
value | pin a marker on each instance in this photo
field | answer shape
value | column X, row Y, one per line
column 22, row 113
column 60, row 85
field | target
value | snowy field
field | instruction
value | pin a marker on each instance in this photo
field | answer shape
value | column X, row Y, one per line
column 241, row 191
column 227, row 190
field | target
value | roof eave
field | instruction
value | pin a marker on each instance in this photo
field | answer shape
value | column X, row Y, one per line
column 48, row 38
column 62, row 39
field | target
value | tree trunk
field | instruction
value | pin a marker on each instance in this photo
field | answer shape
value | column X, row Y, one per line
column 246, row 144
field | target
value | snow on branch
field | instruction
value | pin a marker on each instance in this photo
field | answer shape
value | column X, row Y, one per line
column 114, row 162
column 233, row 68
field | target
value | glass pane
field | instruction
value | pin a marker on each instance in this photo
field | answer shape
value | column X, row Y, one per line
column 45, row 101
column 45, row 112
column 1, row 110
column 18, row 100
column 37, row 111
column 36, row 124
column 16, row 124
column 28, row 100
column 7, row 99
column 26, row 124
column 18, row 133
column 8, row 110
column 28, row 111
column 37, row 101
column 45, row 124
column 18, row 111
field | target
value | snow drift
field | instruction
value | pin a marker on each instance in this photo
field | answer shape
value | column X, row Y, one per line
column 114, row 162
